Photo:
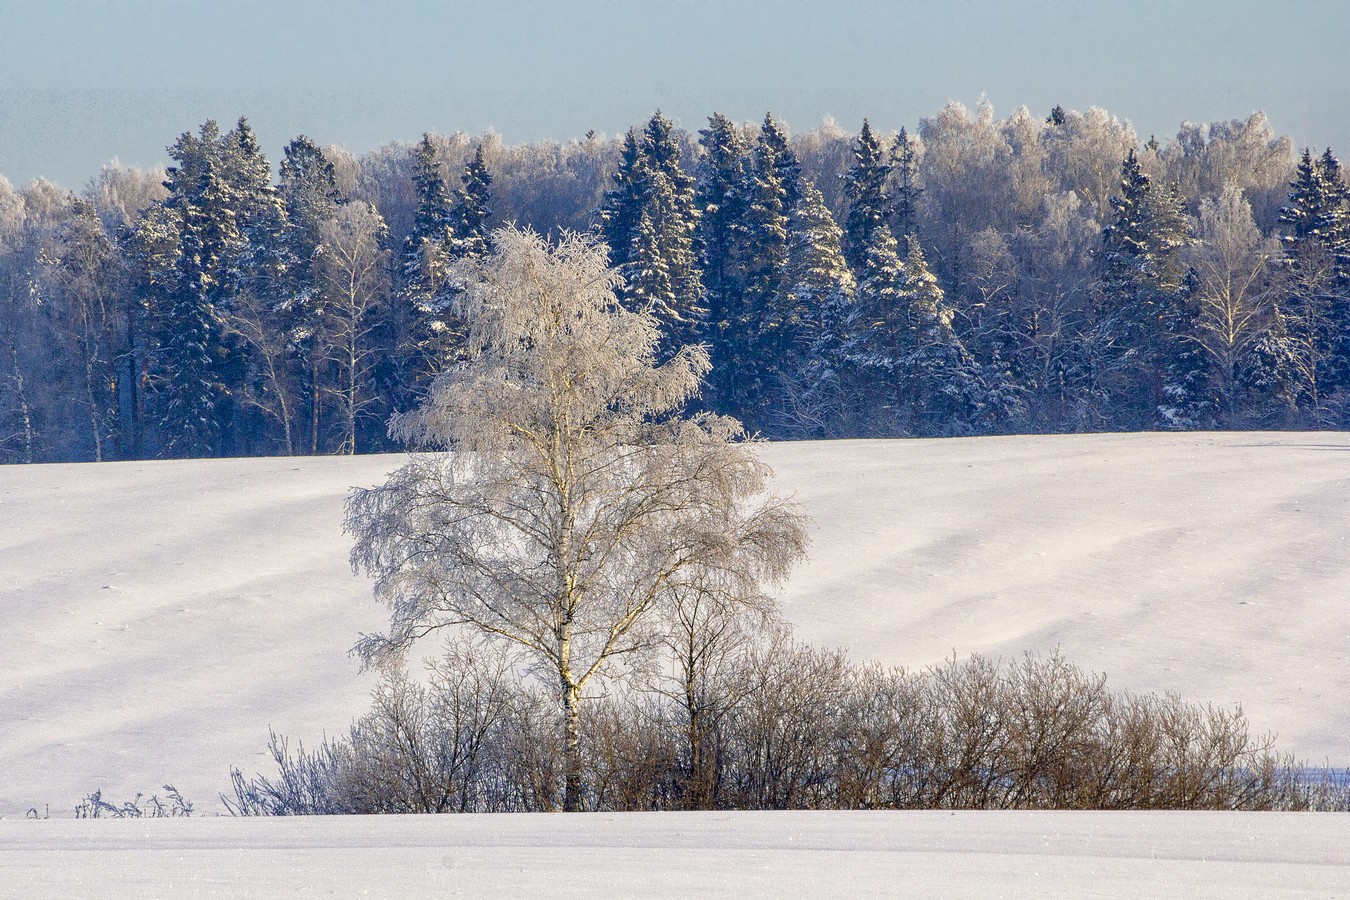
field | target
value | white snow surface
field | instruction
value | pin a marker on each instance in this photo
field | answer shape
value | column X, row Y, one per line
column 157, row 617
column 741, row 854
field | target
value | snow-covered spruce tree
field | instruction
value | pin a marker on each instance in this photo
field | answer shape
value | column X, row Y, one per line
column 426, row 246
column 256, row 291
column 869, row 207
column 472, row 209
column 310, row 193
column 804, row 328
column 228, row 257
column 189, row 384
column 761, row 237
column 878, row 334
column 617, row 218
column 1316, row 305
column 426, row 334
column 944, row 388
column 252, row 286
column 718, row 175
column 904, row 173
column 563, row 495
column 1144, row 316
column 901, row 342
column 650, row 222
column 773, row 135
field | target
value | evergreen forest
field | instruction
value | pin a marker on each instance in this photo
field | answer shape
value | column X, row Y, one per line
column 1038, row 273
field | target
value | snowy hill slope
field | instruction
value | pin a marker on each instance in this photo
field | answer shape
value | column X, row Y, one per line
column 156, row 618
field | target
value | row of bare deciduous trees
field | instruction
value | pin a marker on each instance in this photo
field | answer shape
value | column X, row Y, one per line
column 782, row 725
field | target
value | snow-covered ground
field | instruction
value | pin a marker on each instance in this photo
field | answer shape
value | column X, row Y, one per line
column 840, row 854
column 157, row 617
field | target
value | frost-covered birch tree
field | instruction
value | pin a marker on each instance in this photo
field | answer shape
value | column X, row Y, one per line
column 353, row 260
column 563, row 498
column 1234, row 290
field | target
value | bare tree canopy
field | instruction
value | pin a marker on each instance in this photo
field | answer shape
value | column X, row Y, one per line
column 565, row 495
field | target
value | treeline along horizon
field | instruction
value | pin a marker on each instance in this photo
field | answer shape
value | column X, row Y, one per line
column 1032, row 274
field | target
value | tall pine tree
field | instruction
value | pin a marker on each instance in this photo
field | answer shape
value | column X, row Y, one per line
column 721, row 170
column 650, row 222
column 256, row 295
column 919, row 375
column 473, row 209
column 761, row 240
column 1139, row 327
column 311, row 196
column 869, row 206
column 944, row 389
column 188, row 370
column 905, row 172
column 422, row 331
column 1315, row 313
column 806, row 322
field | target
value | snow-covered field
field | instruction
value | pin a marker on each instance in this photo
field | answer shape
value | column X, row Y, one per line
column 157, row 617
column 1225, row 856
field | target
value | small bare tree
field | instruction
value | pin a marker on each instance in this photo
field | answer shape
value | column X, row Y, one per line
column 271, row 387
column 78, row 283
column 576, row 497
column 353, row 261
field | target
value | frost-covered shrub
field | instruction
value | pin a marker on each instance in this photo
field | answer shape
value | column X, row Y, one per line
column 471, row 736
column 796, row 727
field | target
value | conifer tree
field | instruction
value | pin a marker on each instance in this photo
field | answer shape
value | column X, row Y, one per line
column 650, row 222
column 721, row 171
column 311, row 197
column 761, row 238
column 943, row 385
column 788, row 170
column 905, row 170
column 473, row 209
column 879, row 336
column 1337, row 227
column 617, row 219
column 426, row 248
column 805, row 323
column 869, row 206
column 253, row 302
column 1271, row 372
column 902, row 340
column 1189, row 399
column 424, row 333
column 815, row 275
column 260, row 211
column 190, row 348
column 1316, row 308
column 1142, row 321
column 763, row 228
column 1336, row 216
column 1126, row 253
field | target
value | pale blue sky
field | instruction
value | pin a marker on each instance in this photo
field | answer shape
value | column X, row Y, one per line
column 83, row 82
